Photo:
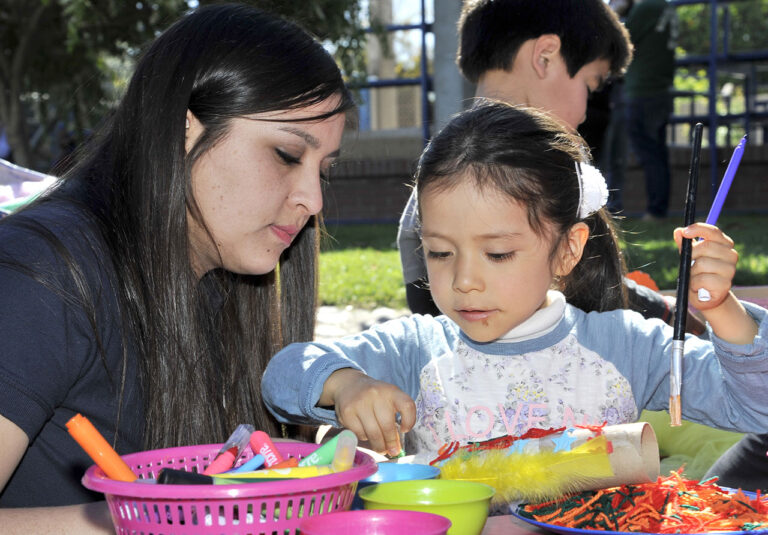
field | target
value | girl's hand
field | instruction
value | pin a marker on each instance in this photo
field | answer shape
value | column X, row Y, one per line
column 714, row 263
column 368, row 408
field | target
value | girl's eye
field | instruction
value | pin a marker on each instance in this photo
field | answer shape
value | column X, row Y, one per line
column 288, row 158
column 500, row 257
column 438, row 255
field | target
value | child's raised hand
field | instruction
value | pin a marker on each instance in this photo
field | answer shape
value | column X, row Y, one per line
column 369, row 407
column 714, row 263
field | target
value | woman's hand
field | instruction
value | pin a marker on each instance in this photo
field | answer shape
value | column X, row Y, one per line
column 369, row 407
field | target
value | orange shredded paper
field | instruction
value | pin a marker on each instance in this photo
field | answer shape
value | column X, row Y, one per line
column 672, row 504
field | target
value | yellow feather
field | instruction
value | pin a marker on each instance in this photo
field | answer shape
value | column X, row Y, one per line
column 532, row 477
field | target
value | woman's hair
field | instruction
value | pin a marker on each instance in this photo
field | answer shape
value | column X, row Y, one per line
column 202, row 344
column 527, row 155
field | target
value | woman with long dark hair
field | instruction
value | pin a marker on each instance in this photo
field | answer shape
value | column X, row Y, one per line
column 177, row 253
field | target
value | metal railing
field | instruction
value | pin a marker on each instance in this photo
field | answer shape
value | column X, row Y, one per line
column 716, row 61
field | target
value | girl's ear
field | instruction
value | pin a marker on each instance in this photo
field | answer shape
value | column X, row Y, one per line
column 571, row 249
column 545, row 49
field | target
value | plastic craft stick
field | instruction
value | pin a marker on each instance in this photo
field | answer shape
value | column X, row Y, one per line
column 725, row 184
column 254, row 463
column 722, row 193
column 94, row 444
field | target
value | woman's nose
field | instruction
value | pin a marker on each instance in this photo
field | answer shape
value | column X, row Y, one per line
column 308, row 193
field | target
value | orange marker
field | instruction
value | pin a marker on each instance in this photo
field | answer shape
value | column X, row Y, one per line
column 94, row 444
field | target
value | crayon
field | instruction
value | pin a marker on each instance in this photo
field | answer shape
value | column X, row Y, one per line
column 290, row 462
column 231, row 450
column 94, row 444
column 299, row 472
column 171, row 476
column 254, row 463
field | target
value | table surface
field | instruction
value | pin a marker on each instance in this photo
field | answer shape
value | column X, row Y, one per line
column 509, row 525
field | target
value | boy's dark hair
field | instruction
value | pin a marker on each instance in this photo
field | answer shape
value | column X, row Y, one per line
column 526, row 154
column 491, row 32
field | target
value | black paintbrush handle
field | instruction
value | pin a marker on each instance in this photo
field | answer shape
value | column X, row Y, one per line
column 684, row 274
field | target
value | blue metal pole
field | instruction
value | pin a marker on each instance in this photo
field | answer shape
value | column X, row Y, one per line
column 424, row 76
column 713, row 97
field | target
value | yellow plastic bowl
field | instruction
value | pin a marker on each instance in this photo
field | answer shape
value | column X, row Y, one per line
column 464, row 503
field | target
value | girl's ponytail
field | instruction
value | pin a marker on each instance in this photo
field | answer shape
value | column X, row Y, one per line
column 596, row 282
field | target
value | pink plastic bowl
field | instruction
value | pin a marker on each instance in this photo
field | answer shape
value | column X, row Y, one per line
column 244, row 509
column 384, row 522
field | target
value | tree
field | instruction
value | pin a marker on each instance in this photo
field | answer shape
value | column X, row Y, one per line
column 746, row 26
column 52, row 59
column 63, row 62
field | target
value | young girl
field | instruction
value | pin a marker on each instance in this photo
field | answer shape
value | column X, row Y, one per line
column 514, row 236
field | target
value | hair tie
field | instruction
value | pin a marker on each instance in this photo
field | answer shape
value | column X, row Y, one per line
column 593, row 191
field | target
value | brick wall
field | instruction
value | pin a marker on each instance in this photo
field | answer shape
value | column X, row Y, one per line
column 374, row 190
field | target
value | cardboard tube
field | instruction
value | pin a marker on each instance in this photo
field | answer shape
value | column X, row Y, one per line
column 634, row 456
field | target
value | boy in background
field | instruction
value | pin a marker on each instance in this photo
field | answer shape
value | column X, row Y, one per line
column 549, row 55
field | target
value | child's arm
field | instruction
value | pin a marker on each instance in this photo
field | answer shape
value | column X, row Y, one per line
column 713, row 268
column 384, row 360
column 369, row 407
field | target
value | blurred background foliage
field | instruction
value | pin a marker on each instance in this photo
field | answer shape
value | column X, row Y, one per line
column 64, row 63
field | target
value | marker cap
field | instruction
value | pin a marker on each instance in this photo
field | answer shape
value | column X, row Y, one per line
column 344, row 456
column 262, row 444
column 94, row 444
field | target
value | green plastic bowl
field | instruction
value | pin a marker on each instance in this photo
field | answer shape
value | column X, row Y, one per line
column 464, row 503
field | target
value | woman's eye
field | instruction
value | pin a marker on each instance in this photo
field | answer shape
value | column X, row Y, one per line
column 326, row 172
column 500, row 257
column 438, row 255
column 288, row 158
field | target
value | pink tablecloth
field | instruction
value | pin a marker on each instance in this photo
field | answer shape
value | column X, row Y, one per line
column 509, row 525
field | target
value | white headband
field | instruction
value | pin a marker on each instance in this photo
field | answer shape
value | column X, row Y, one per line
column 593, row 191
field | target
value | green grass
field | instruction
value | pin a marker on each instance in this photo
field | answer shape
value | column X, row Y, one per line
column 649, row 247
column 360, row 264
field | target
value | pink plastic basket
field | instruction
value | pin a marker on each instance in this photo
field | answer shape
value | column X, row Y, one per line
column 270, row 508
